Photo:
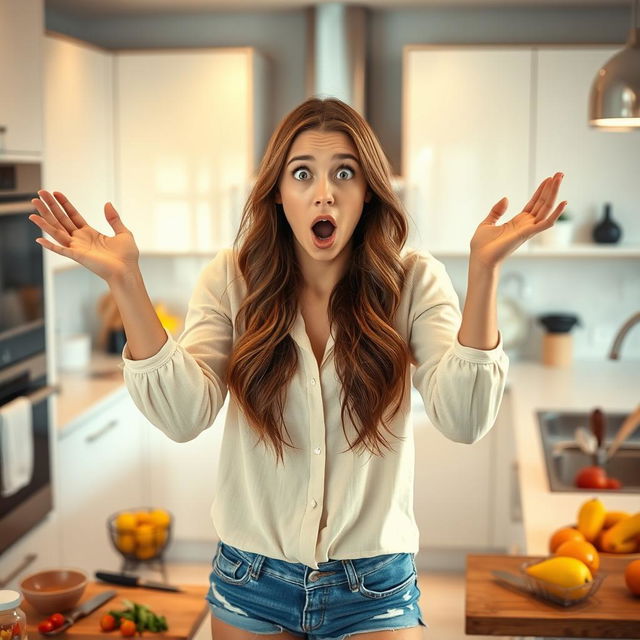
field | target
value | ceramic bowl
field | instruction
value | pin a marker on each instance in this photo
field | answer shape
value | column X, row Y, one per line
column 54, row 590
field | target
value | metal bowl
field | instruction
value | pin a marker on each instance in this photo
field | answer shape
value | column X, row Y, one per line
column 140, row 543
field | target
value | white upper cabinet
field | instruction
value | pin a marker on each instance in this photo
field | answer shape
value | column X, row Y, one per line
column 465, row 140
column 78, row 153
column 187, row 139
column 599, row 166
column 21, row 29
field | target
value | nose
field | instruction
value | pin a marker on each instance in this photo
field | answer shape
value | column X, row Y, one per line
column 324, row 194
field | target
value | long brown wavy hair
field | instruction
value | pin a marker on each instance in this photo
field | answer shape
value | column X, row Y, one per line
column 370, row 356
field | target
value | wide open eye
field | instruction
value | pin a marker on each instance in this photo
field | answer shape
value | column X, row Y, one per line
column 346, row 167
column 303, row 169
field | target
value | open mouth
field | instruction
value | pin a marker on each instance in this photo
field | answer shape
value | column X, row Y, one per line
column 323, row 229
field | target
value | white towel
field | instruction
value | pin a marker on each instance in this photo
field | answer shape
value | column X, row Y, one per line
column 16, row 442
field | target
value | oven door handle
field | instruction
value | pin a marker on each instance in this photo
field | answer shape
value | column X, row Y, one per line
column 41, row 394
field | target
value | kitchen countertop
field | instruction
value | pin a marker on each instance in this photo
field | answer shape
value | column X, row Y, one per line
column 83, row 393
column 183, row 611
column 498, row 609
column 614, row 386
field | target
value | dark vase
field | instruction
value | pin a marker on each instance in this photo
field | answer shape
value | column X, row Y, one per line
column 607, row 231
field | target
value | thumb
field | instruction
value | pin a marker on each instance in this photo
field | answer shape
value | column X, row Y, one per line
column 113, row 218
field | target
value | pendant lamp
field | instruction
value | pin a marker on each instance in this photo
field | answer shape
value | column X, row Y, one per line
column 614, row 101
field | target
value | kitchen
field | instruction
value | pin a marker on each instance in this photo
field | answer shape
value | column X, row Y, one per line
column 85, row 80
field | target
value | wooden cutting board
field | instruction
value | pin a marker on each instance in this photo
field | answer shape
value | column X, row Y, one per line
column 494, row 608
column 184, row 612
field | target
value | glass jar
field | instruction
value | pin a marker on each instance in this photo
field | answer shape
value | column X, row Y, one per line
column 13, row 622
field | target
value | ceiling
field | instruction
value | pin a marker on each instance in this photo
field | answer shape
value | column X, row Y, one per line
column 98, row 8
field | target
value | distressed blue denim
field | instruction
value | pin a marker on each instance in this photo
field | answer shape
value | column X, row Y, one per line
column 341, row 598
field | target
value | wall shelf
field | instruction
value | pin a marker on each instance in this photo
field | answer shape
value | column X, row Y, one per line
column 585, row 250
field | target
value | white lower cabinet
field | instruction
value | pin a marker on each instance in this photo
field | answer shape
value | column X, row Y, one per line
column 462, row 495
column 182, row 479
column 99, row 472
column 38, row 549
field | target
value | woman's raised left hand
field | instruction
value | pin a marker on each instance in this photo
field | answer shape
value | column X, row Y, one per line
column 492, row 243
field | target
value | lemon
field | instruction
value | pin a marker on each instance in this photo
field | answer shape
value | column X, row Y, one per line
column 161, row 537
column 143, row 517
column 144, row 552
column 160, row 518
column 125, row 521
column 562, row 572
column 144, row 534
column 126, row 542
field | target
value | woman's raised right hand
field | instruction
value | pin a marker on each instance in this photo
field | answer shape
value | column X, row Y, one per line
column 107, row 256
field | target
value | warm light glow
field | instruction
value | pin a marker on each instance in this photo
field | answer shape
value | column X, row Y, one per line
column 616, row 124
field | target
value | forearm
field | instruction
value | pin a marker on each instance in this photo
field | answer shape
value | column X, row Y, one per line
column 479, row 327
column 144, row 331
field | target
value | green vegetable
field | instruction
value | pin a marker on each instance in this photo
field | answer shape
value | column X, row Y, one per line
column 142, row 616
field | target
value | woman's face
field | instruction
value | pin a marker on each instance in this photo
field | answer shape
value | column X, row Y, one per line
column 319, row 185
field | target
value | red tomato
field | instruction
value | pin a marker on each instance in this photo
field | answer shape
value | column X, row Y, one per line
column 613, row 483
column 45, row 626
column 56, row 619
column 16, row 630
column 128, row 628
column 591, row 478
column 107, row 622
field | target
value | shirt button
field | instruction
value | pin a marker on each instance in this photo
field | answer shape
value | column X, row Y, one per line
column 313, row 380
column 314, row 504
column 317, row 451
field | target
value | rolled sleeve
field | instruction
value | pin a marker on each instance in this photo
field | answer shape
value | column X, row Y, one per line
column 181, row 388
column 462, row 387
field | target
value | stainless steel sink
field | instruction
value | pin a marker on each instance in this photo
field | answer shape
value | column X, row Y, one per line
column 564, row 458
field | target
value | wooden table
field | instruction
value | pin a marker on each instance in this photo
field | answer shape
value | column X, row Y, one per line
column 184, row 612
column 494, row 608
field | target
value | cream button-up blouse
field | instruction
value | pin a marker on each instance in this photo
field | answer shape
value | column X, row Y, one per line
column 322, row 504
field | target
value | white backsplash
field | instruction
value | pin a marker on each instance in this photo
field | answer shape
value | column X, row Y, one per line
column 603, row 292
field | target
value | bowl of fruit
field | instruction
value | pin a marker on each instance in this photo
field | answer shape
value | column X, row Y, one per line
column 610, row 532
column 141, row 533
column 564, row 580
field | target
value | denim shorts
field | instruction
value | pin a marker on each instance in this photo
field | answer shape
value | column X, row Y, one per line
column 343, row 597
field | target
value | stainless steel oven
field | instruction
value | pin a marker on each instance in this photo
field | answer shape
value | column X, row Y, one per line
column 21, row 264
column 23, row 355
column 23, row 509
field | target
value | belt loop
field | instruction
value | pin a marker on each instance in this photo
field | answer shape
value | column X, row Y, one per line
column 256, row 565
column 352, row 575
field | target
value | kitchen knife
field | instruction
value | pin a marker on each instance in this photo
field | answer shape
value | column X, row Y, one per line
column 83, row 610
column 514, row 580
column 134, row 581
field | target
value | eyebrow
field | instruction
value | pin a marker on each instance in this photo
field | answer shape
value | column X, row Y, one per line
column 339, row 156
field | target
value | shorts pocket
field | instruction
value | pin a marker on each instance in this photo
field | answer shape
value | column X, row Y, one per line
column 389, row 579
column 231, row 566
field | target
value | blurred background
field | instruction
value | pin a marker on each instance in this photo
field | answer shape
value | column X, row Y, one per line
column 164, row 108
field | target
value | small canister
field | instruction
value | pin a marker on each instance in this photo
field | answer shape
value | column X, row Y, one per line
column 557, row 343
column 13, row 622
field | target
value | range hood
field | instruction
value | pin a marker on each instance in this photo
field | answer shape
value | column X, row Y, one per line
column 336, row 53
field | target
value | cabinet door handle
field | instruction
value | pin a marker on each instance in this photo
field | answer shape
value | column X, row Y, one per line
column 100, row 432
column 515, row 506
column 28, row 559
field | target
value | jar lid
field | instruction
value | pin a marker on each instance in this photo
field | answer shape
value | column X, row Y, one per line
column 9, row 599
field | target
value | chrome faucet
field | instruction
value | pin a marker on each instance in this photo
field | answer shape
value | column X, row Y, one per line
column 624, row 329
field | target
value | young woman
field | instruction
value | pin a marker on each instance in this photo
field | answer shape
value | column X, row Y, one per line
column 312, row 322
